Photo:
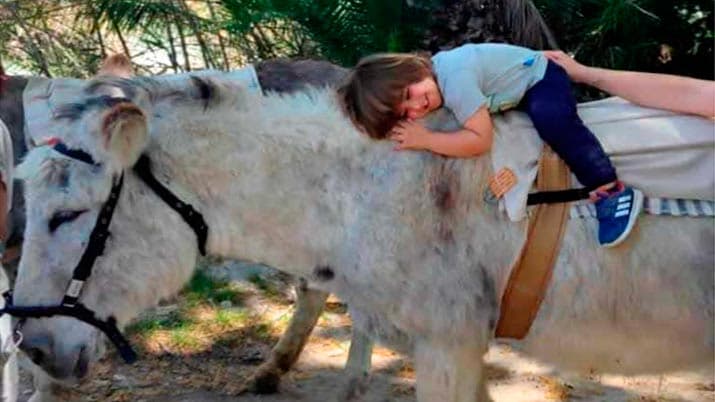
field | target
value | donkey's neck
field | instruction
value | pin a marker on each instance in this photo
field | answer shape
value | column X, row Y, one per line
column 279, row 179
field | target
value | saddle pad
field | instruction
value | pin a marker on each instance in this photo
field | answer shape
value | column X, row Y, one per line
column 665, row 155
column 656, row 206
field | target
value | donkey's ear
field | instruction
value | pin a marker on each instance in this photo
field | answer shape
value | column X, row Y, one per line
column 116, row 65
column 124, row 131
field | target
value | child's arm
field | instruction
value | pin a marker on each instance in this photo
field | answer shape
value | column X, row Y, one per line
column 474, row 139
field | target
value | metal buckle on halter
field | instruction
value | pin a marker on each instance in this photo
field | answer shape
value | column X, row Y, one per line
column 72, row 293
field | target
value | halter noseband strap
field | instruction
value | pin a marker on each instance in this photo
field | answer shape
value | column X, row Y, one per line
column 70, row 305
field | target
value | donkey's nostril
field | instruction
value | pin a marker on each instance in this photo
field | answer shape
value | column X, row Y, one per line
column 38, row 348
column 82, row 366
column 36, row 355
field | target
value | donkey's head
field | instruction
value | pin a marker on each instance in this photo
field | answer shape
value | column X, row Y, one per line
column 67, row 187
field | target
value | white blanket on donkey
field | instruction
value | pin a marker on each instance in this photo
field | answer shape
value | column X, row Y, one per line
column 663, row 154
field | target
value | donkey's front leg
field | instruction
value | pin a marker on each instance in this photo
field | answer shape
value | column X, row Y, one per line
column 357, row 369
column 309, row 305
column 450, row 372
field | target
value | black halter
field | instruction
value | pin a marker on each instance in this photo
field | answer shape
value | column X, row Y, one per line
column 70, row 306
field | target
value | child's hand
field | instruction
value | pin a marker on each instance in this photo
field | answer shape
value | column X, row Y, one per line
column 410, row 135
column 577, row 71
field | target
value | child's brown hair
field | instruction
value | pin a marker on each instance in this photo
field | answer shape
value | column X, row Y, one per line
column 376, row 86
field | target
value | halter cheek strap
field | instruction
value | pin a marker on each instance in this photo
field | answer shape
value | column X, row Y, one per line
column 70, row 305
column 143, row 169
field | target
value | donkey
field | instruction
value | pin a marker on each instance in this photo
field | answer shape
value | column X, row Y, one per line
column 274, row 76
column 406, row 239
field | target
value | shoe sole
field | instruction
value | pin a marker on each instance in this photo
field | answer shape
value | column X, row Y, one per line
column 638, row 207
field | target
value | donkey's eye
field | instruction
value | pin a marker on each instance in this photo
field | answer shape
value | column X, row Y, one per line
column 61, row 217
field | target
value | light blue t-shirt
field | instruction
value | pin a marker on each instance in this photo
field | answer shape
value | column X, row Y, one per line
column 494, row 74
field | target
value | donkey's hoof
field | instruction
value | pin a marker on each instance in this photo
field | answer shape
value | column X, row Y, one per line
column 355, row 388
column 266, row 384
column 264, row 381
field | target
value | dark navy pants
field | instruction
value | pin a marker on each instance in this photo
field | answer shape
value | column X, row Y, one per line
column 552, row 108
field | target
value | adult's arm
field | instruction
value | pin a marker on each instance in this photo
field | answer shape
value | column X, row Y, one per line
column 671, row 92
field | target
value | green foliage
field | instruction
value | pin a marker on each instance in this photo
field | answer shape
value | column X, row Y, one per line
column 43, row 36
column 340, row 30
column 130, row 15
column 70, row 37
column 225, row 317
column 204, row 288
column 674, row 36
column 171, row 321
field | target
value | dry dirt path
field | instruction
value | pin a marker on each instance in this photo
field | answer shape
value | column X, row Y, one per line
column 186, row 363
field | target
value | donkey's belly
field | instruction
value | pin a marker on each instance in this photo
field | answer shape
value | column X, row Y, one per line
column 641, row 349
column 644, row 307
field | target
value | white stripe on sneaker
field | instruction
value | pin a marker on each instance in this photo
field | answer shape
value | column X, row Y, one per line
column 624, row 198
column 623, row 206
column 621, row 213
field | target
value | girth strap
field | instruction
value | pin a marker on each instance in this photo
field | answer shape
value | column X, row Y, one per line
column 558, row 196
column 531, row 274
column 143, row 169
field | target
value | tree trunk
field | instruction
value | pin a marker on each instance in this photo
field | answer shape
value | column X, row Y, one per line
column 100, row 40
column 184, row 48
column 476, row 21
column 221, row 44
column 35, row 51
column 172, row 49
column 191, row 19
column 125, row 48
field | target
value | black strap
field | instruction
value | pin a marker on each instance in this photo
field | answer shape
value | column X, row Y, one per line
column 95, row 247
column 553, row 197
column 80, row 312
column 143, row 169
column 70, row 307
column 74, row 153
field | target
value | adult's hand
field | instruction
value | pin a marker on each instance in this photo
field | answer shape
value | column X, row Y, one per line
column 577, row 71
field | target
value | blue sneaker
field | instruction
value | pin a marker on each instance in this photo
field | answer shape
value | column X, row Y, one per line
column 617, row 212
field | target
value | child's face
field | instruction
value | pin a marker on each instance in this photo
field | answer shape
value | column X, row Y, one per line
column 420, row 98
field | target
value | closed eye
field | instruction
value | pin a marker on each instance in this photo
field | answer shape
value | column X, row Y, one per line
column 61, row 217
column 405, row 98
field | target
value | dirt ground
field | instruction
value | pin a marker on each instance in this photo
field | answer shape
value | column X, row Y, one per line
column 199, row 365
